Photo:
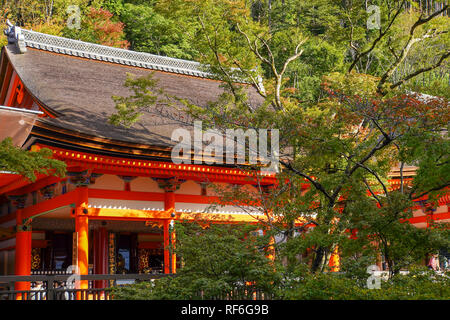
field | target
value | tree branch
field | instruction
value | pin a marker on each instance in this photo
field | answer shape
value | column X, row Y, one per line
column 375, row 42
column 422, row 70
column 316, row 184
column 409, row 43
column 426, row 192
column 373, row 194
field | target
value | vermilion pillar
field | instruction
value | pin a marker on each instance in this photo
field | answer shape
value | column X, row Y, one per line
column 169, row 185
column 174, row 257
column 101, row 255
column 82, row 230
column 170, row 259
column 23, row 252
column 166, row 246
column 270, row 251
column 271, row 248
column 334, row 262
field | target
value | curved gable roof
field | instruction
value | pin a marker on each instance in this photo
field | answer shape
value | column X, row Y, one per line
column 78, row 87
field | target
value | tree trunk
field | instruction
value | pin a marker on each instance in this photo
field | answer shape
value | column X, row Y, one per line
column 321, row 259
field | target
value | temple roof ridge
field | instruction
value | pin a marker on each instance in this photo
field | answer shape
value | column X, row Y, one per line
column 24, row 38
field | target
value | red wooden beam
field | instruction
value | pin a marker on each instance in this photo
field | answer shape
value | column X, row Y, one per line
column 39, row 184
column 51, row 204
column 125, row 195
column 149, row 196
column 135, row 167
column 435, row 217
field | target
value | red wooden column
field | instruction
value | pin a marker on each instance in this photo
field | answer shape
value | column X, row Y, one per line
column 173, row 264
column 101, row 255
column 127, row 180
column 82, row 231
column 334, row 262
column 23, row 253
column 170, row 259
column 271, row 249
column 166, row 247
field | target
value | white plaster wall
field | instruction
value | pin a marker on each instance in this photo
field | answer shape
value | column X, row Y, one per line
column 190, row 187
column 198, row 207
column 211, row 191
column 109, row 182
column 249, row 189
column 420, row 225
column 418, row 213
column 441, row 209
column 145, row 184
column 126, row 204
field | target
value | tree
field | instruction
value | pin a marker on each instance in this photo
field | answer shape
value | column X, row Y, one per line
column 52, row 17
column 342, row 136
column 150, row 31
column 218, row 261
column 28, row 163
column 98, row 27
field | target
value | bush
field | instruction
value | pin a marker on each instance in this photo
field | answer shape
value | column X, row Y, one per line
column 419, row 284
column 217, row 261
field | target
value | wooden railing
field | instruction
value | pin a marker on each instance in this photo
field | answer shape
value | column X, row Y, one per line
column 54, row 286
column 57, row 294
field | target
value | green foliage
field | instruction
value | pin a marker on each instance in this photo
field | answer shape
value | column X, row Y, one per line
column 216, row 261
column 129, row 109
column 336, row 33
column 402, row 244
column 28, row 163
column 114, row 6
column 150, row 31
column 419, row 284
column 344, row 126
column 340, row 95
column 221, row 259
column 98, row 26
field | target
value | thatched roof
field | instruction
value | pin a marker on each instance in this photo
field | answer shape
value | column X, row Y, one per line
column 78, row 88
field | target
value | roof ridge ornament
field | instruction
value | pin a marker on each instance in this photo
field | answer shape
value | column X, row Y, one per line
column 99, row 52
column 24, row 38
column 15, row 36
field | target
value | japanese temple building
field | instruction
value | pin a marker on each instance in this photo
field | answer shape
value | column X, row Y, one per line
column 113, row 211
